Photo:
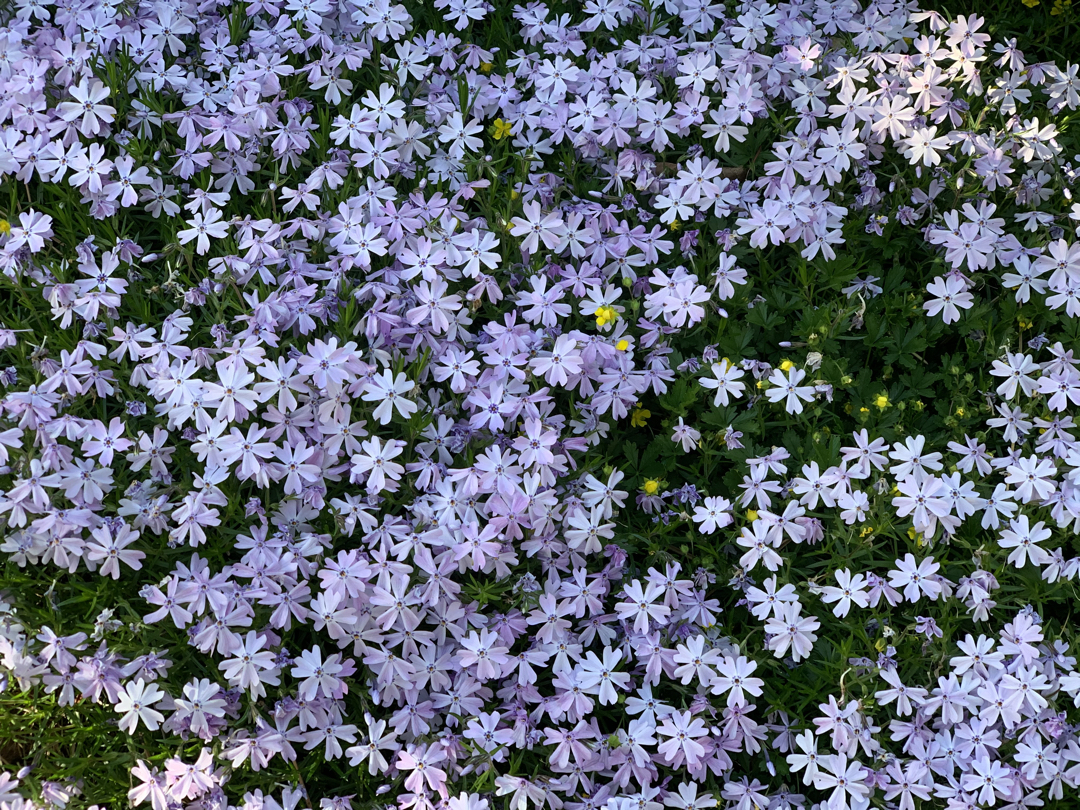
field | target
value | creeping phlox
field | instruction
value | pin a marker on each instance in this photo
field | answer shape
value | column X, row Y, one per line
column 329, row 331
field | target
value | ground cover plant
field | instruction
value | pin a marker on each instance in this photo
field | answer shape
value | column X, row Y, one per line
column 590, row 406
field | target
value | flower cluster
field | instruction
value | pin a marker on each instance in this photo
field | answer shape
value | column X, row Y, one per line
column 332, row 340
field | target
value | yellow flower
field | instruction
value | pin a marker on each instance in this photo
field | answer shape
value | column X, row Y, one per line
column 487, row 66
column 866, row 530
column 862, row 410
column 786, row 365
column 623, row 345
column 881, row 401
column 1031, row 3
column 1024, row 324
column 606, row 314
column 881, row 644
column 640, row 416
column 751, row 515
column 5, row 227
column 1060, row 7
column 959, row 411
column 500, row 129
column 514, row 194
column 651, row 487
column 675, row 225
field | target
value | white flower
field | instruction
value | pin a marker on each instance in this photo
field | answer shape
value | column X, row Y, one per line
column 685, row 435
column 201, row 228
column 788, row 630
column 389, row 391
column 712, row 513
column 1023, row 538
column 851, row 591
column 725, row 381
column 1017, row 373
column 923, row 146
column 787, row 388
column 136, row 704
column 949, row 298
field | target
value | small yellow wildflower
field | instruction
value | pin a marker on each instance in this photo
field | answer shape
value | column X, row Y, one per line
column 623, row 345
column 881, row 644
column 882, row 402
column 500, row 129
column 1023, row 324
column 675, row 225
column 1030, row 3
column 486, row 67
column 864, row 410
column 1060, row 7
column 959, row 411
column 640, row 416
column 751, row 515
column 651, row 487
column 866, row 530
column 514, row 194
column 606, row 314
column 787, row 364
column 5, row 227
